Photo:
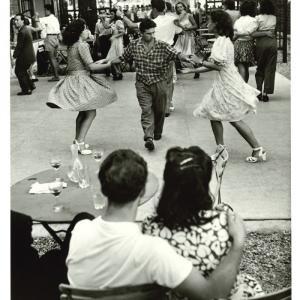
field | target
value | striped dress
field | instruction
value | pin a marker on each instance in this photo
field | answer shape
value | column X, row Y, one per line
column 81, row 90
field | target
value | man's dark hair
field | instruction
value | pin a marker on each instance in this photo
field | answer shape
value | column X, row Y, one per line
column 147, row 24
column 49, row 7
column 248, row 8
column 229, row 4
column 169, row 6
column 159, row 5
column 123, row 176
column 23, row 18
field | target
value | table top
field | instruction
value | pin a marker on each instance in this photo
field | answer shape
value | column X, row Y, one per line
column 207, row 35
column 73, row 198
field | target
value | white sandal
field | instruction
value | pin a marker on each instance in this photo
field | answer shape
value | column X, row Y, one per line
column 83, row 148
column 261, row 155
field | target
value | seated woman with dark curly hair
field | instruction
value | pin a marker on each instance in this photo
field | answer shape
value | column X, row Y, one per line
column 185, row 216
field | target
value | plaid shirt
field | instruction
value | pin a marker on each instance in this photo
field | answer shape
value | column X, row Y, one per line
column 151, row 66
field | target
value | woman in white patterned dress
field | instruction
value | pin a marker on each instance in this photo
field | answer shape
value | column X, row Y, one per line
column 185, row 217
column 230, row 98
column 185, row 43
column 81, row 90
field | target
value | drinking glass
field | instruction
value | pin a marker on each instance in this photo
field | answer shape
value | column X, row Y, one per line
column 98, row 154
column 98, row 198
column 56, row 188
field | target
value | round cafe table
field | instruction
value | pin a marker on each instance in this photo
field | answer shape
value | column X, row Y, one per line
column 74, row 199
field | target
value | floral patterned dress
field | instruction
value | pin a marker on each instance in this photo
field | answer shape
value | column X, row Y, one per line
column 230, row 98
column 205, row 245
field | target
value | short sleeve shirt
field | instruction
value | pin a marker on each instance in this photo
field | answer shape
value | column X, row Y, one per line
column 266, row 22
column 151, row 66
column 245, row 25
column 110, row 254
column 79, row 56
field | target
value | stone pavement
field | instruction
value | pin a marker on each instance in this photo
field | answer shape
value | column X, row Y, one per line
column 256, row 191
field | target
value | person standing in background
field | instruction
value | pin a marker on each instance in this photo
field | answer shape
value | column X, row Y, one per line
column 24, row 55
column 52, row 30
column 266, row 49
column 103, row 32
column 229, row 7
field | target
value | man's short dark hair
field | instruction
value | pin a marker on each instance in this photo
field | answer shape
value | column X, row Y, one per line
column 168, row 6
column 23, row 18
column 123, row 176
column 159, row 5
column 147, row 24
column 49, row 7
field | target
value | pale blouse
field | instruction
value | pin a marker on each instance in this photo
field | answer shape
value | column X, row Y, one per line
column 245, row 25
column 266, row 22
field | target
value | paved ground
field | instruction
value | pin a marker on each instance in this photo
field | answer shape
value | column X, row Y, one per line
column 255, row 191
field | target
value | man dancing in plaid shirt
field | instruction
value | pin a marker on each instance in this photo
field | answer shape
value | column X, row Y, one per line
column 152, row 58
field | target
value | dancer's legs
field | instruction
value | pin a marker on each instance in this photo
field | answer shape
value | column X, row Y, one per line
column 245, row 131
column 84, row 121
column 243, row 70
column 217, row 128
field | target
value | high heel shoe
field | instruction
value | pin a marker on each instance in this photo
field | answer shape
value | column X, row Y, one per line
column 83, row 148
column 261, row 155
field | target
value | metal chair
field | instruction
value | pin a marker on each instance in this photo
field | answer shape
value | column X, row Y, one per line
column 139, row 292
column 284, row 294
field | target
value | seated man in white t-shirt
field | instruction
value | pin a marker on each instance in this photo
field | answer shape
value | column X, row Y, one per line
column 110, row 251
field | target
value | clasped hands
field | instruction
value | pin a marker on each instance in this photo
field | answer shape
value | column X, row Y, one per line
column 195, row 60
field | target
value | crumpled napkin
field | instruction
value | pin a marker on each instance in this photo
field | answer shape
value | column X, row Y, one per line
column 42, row 188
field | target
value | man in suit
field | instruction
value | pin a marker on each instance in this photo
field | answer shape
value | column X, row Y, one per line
column 24, row 55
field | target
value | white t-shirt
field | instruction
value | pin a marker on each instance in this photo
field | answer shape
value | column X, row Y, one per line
column 110, row 254
column 50, row 24
column 165, row 28
column 245, row 25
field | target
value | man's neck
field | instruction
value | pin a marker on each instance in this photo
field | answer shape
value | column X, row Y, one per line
column 124, row 213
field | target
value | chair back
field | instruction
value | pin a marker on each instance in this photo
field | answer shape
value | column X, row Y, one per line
column 284, row 294
column 139, row 292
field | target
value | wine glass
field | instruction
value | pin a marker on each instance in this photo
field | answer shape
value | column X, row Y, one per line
column 55, row 163
column 97, row 155
column 56, row 188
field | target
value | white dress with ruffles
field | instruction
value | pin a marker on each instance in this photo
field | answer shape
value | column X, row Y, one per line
column 230, row 98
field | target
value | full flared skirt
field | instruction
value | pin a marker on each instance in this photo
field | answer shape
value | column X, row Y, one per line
column 81, row 92
column 229, row 99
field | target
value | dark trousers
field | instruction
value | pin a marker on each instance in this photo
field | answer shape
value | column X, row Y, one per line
column 21, row 71
column 266, row 55
column 152, row 100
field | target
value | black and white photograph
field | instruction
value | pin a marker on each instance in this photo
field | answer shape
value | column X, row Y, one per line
column 148, row 149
